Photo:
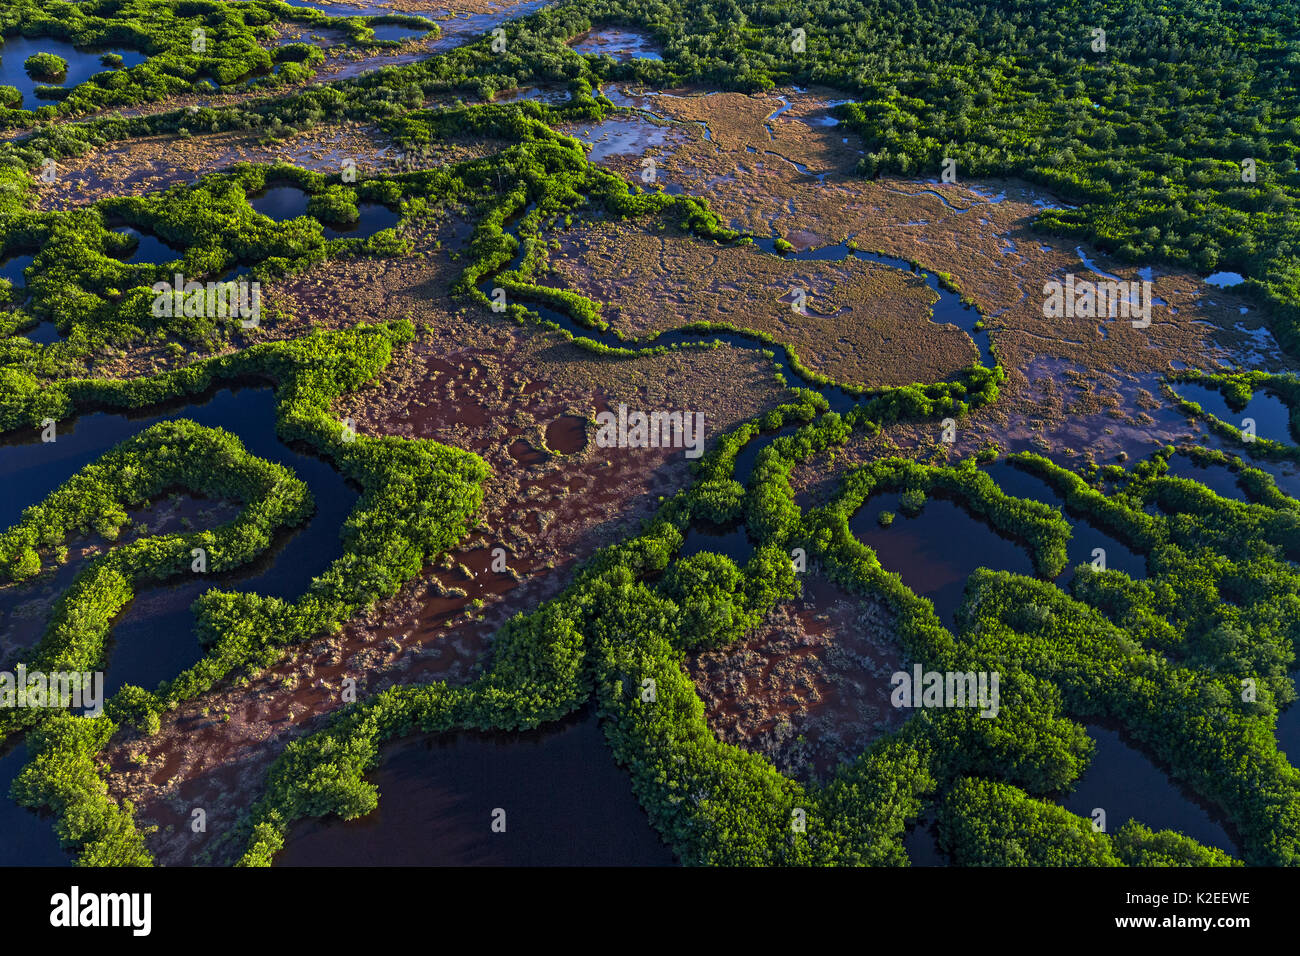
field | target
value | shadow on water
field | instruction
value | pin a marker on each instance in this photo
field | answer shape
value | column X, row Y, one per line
column 922, row 845
column 82, row 65
column 748, row 456
column 1085, row 538
column 732, row 540
column 149, row 248
column 937, row 550
column 28, row 837
column 1218, row 478
column 153, row 638
column 1272, row 417
column 1285, row 474
column 1288, row 730
column 374, row 217
column 566, row 803
column 1126, row 783
column 15, row 267
column 280, row 203
column 43, row 333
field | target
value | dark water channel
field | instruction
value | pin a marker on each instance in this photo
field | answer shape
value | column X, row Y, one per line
column 566, row 803
column 1124, row 782
column 732, row 541
column 1271, row 416
column 935, row 551
column 747, row 458
column 26, row 837
column 1085, row 537
column 153, row 638
column 1288, row 729
column 149, row 248
column 284, row 202
column 1218, row 478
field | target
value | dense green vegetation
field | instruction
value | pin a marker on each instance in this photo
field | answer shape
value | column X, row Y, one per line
column 1154, row 654
column 191, row 45
column 45, row 66
column 80, row 282
column 418, row 499
column 1148, row 137
column 167, row 456
column 63, row 775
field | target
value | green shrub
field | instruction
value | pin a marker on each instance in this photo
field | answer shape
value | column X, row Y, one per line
column 45, row 66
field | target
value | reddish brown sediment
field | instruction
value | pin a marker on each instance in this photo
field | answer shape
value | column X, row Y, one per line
column 809, row 687
column 134, row 167
column 748, row 170
column 474, row 382
column 1080, row 388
